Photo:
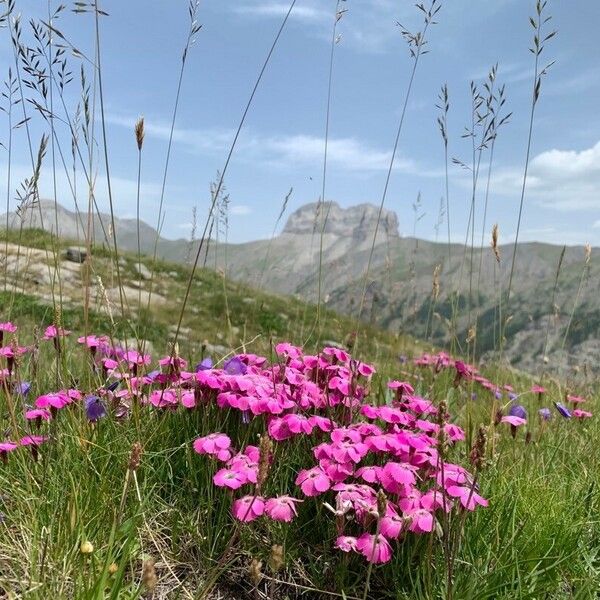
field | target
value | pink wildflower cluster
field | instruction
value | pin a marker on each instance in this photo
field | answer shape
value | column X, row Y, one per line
column 358, row 447
column 517, row 415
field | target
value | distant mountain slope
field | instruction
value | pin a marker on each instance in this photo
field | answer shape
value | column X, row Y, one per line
column 399, row 286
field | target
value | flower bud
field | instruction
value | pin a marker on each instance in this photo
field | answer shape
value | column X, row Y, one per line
column 86, row 547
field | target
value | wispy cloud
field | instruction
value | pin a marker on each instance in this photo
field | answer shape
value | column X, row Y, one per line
column 285, row 151
column 240, row 209
column 574, row 83
column 560, row 179
column 368, row 26
column 507, row 73
column 280, row 9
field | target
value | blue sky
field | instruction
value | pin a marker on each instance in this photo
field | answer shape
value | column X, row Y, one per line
column 281, row 146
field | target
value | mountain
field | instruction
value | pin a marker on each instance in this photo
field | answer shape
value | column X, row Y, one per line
column 338, row 243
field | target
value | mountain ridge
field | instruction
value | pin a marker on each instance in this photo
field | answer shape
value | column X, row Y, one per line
column 326, row 242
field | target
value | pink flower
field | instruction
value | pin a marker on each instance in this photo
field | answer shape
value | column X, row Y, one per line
column 8, row 327
column 346, row 543
column 454, row 432
column 173, row 361
column 51, row 332
column 395, row 475
column 188, row 399
column 53, row 400
column 12, row 351
column 435, row 499
column 248, row 508
column 463, row 370
column 285, row 348
column 134, row 358
column 582, row 414
column 229, row 478
column 375, row 548
column 369, row 474
column 282, row 508
column 5, row 448
column 391, row 525
column 33, row 440
column 215, row 444
column 313, row 481
column 467, row 496
column 401, row 387
column 365, row 370
column 338, row 353
column 93, row 342
column 575, row 399
column 162, row 398
column 421, row 520
column 38, row 413
column 514, row 421
column 538, row 389
column 348, row 451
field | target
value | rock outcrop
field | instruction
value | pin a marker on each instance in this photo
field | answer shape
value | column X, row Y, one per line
column 356, row 222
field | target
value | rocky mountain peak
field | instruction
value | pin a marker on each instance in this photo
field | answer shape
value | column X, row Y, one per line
column 356, row 222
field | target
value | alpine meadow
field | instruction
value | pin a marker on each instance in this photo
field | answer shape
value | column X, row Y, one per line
column 299, row 299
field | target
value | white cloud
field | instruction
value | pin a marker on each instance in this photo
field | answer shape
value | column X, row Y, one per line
column 559, row 179
column 283, row 150
column 280, row 9
column 240, row 209
column 368, row 26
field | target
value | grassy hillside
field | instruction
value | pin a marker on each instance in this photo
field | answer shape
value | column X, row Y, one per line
column 221, row 316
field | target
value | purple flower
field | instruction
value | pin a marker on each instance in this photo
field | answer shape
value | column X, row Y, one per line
column 112, row 386
column 512, row 396
column 402, row 359
column 474, row 396
column 498, row 395
column 516, row 410
column 563, row 410
column 153, row 375
column 94, row 408
column 234, row 366
column 23, row 388
column 545, row 414
column 205, row 365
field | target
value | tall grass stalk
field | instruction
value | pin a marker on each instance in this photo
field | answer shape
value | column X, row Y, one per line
column 442, row 120
column 553, row 307
column 9, row 94
column 538, row 24
column 139, row 139
column 226, row 166
column 97, row 13
column 585, row 273
column 416, row 44
column 194, row 29
column 339, row 13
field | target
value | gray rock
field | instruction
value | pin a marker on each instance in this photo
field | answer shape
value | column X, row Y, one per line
column 76, row 254
column 143, row 270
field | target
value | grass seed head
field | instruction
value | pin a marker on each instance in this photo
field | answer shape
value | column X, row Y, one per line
column 135, row 456
column 139, row 132
column 149, row 578
column 276, row 560
column 255, row 571
column 495, row 248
